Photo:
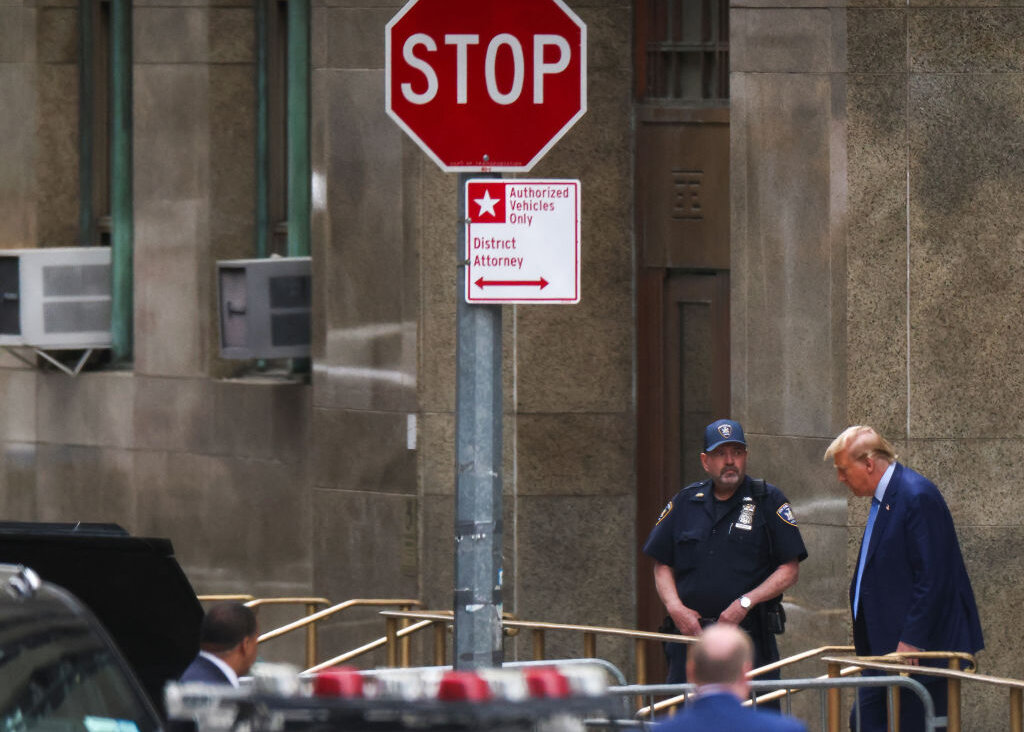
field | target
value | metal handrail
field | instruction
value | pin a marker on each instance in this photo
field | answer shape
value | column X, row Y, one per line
column 313, row 617
column 538, row 630
column 224, row 598
column 311, row 603
column 954, row 677
column 349, row 655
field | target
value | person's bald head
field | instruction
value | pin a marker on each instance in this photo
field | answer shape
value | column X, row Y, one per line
column 723, row 655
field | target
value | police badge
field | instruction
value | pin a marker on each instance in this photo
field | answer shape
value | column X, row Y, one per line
column 746, row 517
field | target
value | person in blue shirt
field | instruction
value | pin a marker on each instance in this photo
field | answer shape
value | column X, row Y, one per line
column 718, row 664
column 725, row 549
column 910, row 590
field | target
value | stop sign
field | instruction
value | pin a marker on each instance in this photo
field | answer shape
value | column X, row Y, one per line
column 486, row 84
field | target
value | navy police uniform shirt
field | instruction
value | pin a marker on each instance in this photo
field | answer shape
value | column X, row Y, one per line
column 720, row 550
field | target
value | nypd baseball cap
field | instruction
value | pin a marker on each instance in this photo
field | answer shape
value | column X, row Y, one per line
column 721, row 432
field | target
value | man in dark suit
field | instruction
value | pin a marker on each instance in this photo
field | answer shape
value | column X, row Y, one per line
column 718, row 663
column 227, row 645
column 910, row 591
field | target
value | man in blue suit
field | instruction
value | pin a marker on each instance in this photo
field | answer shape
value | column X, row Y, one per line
column 910, row 591
column 227, row 645
column 718, row 663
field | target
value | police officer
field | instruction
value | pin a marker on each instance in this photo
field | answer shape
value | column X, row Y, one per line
column 725, row 549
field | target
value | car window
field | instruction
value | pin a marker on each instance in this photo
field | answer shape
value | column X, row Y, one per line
column 58, row 675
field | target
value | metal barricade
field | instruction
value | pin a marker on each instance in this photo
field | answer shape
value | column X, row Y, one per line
column 762, row 687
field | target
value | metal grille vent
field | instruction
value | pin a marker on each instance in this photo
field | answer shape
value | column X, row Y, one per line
column 687, row 50
column 70, row 316
column 290, row 329
column 82, row 280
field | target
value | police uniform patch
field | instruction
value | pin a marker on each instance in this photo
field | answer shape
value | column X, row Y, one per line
column 725, row 430
column 785, row 513
column 664, row 512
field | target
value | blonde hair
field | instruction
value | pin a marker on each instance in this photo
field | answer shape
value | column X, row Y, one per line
column 867, row 441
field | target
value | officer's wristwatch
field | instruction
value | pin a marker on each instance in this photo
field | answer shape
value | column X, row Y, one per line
column 745, row 602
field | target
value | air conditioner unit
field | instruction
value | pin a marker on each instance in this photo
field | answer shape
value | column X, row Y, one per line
column 265, row 307
column 55, row 298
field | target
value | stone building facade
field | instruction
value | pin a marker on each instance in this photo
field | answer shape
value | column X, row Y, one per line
column 872, row 252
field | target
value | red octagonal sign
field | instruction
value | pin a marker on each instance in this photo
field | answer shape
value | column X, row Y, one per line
column 486, row 84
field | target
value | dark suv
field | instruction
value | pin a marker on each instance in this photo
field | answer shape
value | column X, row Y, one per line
column 59, row 670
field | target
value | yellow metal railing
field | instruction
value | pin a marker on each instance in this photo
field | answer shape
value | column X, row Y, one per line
column 400, row 634
column 538, row 634
column 225, row 598
column 399, row 630
column 954, row 677
column 312, row 616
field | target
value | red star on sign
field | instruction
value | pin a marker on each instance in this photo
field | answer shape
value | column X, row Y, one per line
column 486, row 203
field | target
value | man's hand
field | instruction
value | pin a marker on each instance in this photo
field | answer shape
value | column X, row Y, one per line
column 686, row 620
column 733, row 614
column 902, row 647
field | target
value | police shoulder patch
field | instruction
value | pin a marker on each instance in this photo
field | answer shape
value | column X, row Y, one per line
column 785, row 513
column 664, row 512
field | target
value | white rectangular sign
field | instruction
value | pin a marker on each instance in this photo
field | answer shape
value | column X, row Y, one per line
column 522, row 241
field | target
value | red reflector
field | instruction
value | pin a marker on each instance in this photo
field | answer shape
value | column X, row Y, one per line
column 547, row 683
column 463, row 686
column 343, row 682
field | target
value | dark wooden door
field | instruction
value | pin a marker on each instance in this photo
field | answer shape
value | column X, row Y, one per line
column 684, row 385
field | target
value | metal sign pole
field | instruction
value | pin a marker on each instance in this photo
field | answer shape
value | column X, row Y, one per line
column 478, row 464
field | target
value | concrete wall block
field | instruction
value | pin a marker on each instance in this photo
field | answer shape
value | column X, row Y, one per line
column 365, row 544
column 972, row 40
column 234, row 522
column 94, row 408
column 362, row 452
column 18, row 407
column 369, row 352
column 357, row 36
column 782, row 191
column 173, row 415
column 85, row 483
column 965, row 268
column 19, row 499
column 793, row 40
column 561, row 353
column 261, row 420
column 558, row 578
column 575, row 454
column 18, row 119
column 180, row 34
column 57, row 35
column 877, row 252
column 17, row 33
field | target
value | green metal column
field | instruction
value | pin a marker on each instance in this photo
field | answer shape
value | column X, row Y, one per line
column 122, row 228
column 86, row 94
column 299, row 193
column 262, row 132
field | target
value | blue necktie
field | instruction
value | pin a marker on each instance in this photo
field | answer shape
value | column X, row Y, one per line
column 864, row 552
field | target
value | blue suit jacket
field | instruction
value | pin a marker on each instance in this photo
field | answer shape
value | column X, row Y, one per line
column 722, row 712
column 915, row 586
column 205, row 671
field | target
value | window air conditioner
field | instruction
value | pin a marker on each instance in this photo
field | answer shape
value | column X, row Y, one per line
column 265, row 307
column 55, row 298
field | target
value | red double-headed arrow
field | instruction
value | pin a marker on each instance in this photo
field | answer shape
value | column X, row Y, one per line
column 540, row 283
